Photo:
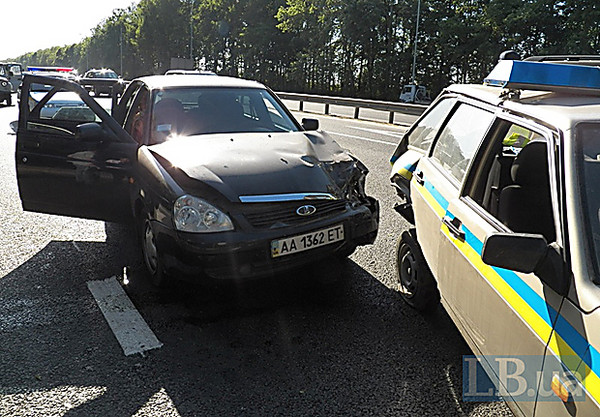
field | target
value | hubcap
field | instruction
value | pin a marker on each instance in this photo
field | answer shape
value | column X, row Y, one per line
column 150, row 252
column 408, row 271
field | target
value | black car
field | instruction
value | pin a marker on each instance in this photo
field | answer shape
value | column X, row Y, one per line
column 102, row 81
column 217, row 174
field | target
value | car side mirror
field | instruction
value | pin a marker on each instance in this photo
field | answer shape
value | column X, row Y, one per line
column 310, row 124
column 91, row 132
column 515, row 251
column 527, row 253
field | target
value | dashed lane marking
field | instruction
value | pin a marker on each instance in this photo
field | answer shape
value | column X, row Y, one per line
column 380, row 132
column 363, row 138
column 129, row 327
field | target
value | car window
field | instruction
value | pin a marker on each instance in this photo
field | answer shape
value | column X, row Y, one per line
column 197, row 111
column 511, row 181
column 62, row 105
column 16, row 69
column 460, row 138
column 588, row 167
column 55, row 112
column 138, row 116
column 426, row 130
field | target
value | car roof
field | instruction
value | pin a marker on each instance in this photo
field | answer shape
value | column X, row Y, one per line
column 559, row 109
column 157, row 82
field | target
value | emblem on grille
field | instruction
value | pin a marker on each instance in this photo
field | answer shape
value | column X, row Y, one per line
column 306, row 210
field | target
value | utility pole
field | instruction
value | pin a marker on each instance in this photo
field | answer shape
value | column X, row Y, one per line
column 414, row 65
column 192, row 31
column 121, row 47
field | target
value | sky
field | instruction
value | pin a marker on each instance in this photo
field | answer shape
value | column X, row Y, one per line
column 29, row 25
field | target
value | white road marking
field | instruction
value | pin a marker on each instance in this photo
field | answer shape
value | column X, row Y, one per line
column 127, row 324
column 57, row 401
column 363, row 138
column 380, row 132
column 159, row 401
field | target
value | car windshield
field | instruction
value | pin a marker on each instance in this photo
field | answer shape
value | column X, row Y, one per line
column 102, row 74
column 15, row 69
column 196, row 111
column 588, row 139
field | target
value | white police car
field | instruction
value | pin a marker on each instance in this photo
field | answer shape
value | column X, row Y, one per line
column 502, row 182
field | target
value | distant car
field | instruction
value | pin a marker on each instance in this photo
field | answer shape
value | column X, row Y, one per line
column 189, row 72
column 218, row 176
column 101, row 81
column 5, row 91
column 13, row 71
column 39, row 90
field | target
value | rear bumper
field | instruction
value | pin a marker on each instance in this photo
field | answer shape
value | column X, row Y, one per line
column 245, row 255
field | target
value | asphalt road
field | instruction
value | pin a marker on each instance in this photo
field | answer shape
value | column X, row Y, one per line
column 293, row 345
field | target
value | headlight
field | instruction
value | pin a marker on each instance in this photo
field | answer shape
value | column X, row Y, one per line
column 4, row 83
column 192, row 214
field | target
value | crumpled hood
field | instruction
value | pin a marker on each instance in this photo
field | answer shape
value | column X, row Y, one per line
column 259, row 163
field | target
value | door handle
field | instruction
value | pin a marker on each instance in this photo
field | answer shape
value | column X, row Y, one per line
column 419, row 177
column 454, row 226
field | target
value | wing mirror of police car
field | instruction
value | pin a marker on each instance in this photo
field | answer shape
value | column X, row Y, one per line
column 516, row 251
column 527, row 253
column 310, row 124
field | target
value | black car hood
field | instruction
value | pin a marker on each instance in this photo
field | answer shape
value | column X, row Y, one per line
column 259, row 163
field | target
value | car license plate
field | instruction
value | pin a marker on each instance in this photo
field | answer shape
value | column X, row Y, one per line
column 300, row 243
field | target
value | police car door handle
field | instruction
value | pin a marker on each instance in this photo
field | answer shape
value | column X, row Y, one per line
column 419, row 177
column 454, row 226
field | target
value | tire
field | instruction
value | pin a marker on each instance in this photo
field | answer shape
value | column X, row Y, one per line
column 153, row 260
column 415, row 282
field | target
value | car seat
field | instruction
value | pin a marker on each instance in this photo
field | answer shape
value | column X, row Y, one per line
column 526, row 206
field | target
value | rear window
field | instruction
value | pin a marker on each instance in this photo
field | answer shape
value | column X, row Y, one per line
column 427, row 128
column 460, row 139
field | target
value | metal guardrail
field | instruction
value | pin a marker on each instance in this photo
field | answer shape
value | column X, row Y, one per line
column 389, row 106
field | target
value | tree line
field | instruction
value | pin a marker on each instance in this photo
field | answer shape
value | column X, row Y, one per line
column 358, row 48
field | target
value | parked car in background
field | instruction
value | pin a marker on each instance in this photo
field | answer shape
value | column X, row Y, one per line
column 5, row 91
column 13, row 72
column 218, row 176
column 39, row 89
column 502, row 184
column 102, row 81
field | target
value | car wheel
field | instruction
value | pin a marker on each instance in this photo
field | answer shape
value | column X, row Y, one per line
column 415, row 281
column 152, row 256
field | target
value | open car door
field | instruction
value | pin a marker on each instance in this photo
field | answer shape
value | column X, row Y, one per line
column 72, row 157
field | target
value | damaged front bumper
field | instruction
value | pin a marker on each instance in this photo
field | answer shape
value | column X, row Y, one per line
column 240, row 255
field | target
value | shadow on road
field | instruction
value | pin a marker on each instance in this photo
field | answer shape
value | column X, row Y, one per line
column 286, row 346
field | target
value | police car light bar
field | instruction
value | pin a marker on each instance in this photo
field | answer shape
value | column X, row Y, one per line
column 47, row 69
column 528, row 75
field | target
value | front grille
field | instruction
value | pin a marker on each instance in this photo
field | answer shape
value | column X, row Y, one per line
column 264, row 216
